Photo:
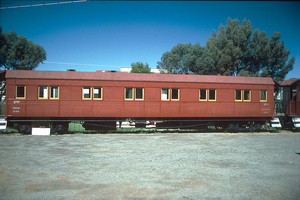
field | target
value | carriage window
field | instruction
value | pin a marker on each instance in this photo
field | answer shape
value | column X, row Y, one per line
column 247, row 95
column 43, row 92
column 263, row 95
column 175, row 94
column 134, row 93
column 86, row 93
column 238, row 95
column 20, row 92
column 97, row 93
column 212, row 94
column 165, row 94
column 203, row 96
column 54, row 92
column 242, row 95
column 170, row 93
column 139, row 93
column 207, row 94
column 128, row 93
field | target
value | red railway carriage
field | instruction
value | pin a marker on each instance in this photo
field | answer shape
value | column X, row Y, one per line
column 62, row 96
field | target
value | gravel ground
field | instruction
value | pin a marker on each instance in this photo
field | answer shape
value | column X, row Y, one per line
column 151, row 166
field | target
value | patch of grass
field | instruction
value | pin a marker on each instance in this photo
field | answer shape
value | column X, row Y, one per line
column 9, row 130
column 76, row 127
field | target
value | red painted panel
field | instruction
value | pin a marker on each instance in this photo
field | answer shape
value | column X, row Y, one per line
column 152, row 94
column 108, row 109
column 246, row 109
column 113, row 94
column 189, row 94
column 42, row 110
column 76, row 111
column 152, row 109
column 170, row 109
column 70, row 92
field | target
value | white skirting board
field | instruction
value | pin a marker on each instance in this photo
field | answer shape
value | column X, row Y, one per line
column 40, row 131
column 275, row 123
column 296, row 121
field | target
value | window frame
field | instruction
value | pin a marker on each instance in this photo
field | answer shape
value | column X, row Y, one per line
column 203, row 89
column 266, row 95
column 243, row 95
column 168, row 94
column 50, row 92
column 207, row 94
column 24, row 91
column 171, row 94
column 47, row 92
column 90, row 92
column 215, row 94
column 132, row 94
column 247, row 100
column 135, row 94
column 101, row 93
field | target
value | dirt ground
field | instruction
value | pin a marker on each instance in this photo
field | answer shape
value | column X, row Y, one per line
column 151, row 166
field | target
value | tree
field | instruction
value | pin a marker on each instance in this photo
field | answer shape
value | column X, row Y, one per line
column 139, row 67
column 235, row 50
column 16, row 52
column 277, row 64
column 181, row 59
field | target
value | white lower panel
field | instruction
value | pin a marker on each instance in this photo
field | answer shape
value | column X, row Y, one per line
column 296, row 121
column 40, row 131
column 275, row 123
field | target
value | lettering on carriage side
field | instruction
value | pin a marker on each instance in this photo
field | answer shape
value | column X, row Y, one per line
column 16, row 102
column 265, row 109
column 266, row 104
column 16, row 109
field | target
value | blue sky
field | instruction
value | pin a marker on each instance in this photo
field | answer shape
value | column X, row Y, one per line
column 106, row 35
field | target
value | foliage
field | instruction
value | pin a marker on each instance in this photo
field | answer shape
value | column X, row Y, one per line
column 181, row 59
column 139, row 67
column 235, row 50
column 16, row 52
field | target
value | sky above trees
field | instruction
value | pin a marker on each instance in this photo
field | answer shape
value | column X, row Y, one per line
column 104, row 35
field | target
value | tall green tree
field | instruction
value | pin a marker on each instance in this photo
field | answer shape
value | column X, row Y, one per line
column 278, row 64
column 235, row 50
column 181, row 59
column 139, row 67
column 16, row 52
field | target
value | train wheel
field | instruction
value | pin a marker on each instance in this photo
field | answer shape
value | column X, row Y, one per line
column 256, row 127
column 60, row 128
column 232, row 127
column 25, row 128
